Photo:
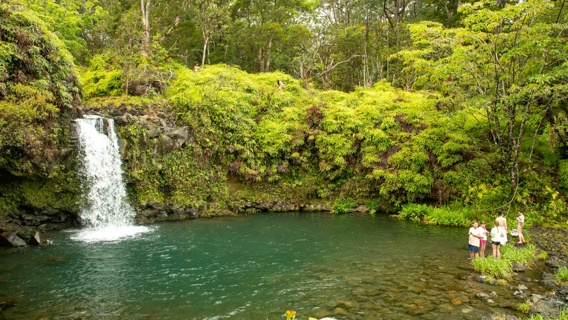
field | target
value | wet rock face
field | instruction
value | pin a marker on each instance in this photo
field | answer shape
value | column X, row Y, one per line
column 20, row 237
column 160, row 212
column 24, row 228
column 282, row 206
column 553, row 242
column 11, row 240
column 47, row 219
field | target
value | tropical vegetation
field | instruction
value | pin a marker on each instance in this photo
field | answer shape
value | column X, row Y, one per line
column 441, row 113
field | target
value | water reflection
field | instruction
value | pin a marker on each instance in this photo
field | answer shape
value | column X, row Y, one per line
column 254, row 267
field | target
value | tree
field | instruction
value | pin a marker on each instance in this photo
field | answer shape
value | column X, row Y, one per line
column 502, row 66
column 145, row 9
column 211, row 17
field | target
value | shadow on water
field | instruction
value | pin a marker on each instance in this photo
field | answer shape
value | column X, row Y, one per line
column 254, row 267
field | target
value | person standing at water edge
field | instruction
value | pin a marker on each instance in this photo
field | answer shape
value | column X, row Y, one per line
column 502, row 224
column 520, row 225
column 496, row 240
column 483, row 240
column 475, row 235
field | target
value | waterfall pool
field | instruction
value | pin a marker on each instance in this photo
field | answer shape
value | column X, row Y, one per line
column 253, row 267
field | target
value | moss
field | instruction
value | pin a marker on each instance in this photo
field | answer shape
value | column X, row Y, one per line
column 52, row 193
column 30, row 194
column 38, row 87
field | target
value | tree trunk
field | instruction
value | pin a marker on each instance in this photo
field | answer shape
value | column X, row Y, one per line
column 268, row 53
column 145, row 27
column 205, row 42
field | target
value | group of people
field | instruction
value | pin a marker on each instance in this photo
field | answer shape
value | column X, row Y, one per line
column 478, row 236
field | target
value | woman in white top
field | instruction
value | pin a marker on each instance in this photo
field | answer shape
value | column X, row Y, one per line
column 496, row 240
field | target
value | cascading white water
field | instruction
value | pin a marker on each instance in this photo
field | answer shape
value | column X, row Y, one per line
column 105, row 210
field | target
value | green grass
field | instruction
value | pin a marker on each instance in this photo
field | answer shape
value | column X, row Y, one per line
column 562, row 274
column 524, row 307
column 524, row 254
column 563, row 316
column 542, row 255
column 497, row 268
column 503, row 268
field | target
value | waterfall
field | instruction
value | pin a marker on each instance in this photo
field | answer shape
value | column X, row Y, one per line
column 105, row 210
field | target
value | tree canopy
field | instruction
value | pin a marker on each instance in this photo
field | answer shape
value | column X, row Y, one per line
column 387, row 101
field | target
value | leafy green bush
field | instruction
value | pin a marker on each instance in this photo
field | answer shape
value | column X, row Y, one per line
column 449, row 217
column 498, row 268
column 524, row 254
column 104, row 77
column 542, row 255
column 414, row 212
column 524, row 307
column 444, row 216
column 344, row 205
column 563, row 174
column 38, row 84
column 373, row 205
column 562, row 274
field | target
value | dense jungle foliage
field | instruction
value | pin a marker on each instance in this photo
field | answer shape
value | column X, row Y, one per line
column 38, row 84
column 437, row 111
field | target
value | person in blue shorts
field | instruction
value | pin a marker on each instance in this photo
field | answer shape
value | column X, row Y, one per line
column 475, row 235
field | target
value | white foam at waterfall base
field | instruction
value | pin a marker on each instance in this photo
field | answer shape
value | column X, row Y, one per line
column 105, row 211
column 111, row 233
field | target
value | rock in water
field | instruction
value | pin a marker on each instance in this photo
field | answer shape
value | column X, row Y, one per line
column 35, row 239
column 12, row 240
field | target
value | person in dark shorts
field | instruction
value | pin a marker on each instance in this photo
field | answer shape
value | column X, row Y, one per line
column 496, row 240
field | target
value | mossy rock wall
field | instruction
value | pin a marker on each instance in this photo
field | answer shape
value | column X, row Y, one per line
column 39, row 97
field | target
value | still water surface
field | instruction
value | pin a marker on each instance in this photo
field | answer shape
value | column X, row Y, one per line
column 250, row 267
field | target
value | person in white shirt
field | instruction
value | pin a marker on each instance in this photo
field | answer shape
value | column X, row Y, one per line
column 475, row 235
column 496, row 240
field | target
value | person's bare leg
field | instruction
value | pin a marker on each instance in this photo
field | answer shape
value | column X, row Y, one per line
column 521, row 237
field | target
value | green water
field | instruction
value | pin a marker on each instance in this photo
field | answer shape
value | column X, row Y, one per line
column 251, row 267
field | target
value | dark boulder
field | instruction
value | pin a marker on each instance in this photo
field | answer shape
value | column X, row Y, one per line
column 35, row 239
column 11, row 240
column 6, row 304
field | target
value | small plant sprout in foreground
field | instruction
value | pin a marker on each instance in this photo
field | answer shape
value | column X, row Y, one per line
column 536, row 316
column 542, row 255
column 562, row 274
column 290, row 314
column 524, row 307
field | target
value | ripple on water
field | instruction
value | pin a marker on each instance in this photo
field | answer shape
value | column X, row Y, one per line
column 256, row 269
